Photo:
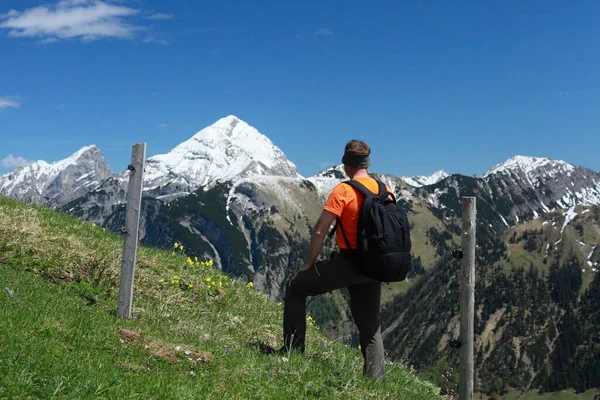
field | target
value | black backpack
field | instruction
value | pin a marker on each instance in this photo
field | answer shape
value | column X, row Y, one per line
column 383, row 235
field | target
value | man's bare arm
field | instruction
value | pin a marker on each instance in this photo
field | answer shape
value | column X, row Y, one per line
column 318, row 237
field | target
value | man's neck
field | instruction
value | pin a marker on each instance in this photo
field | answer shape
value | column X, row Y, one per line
column 361, row 173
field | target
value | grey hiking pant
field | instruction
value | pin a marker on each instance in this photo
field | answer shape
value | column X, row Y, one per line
column 365, row 297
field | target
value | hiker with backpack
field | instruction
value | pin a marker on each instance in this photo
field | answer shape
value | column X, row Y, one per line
column 373, row 238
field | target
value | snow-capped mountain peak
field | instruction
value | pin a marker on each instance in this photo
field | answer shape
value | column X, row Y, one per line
column 227, row 149
column 58, row 182
column 418, row 181
column 41, row 167
column 542, row 185
column 529, row 165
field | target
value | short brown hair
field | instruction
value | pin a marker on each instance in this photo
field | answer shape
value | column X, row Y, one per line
column 358, row 146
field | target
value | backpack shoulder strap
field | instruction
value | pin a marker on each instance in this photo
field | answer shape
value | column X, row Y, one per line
column 360, row 187
column 337, row 225
column 384, row 193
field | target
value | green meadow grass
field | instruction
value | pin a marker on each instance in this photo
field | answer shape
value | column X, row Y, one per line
column 193, row 334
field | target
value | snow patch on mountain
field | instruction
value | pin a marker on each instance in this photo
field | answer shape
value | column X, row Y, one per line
column 419, row 181
column 434, row 198
column 571, row 214
column 589, row 196
column 327, row 179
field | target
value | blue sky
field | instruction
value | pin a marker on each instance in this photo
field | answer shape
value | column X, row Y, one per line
column 459, row 86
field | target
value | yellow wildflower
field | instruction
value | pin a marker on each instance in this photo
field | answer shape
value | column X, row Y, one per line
column 190, row 286
column 250, row 284
column 189, row 261
column 220, row 283
column 176, row 245
column 196, row 259
column 93, row 224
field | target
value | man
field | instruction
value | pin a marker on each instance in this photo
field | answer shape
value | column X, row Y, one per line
column 342, row 269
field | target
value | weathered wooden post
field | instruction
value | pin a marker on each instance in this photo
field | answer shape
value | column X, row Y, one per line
column 132, row 223
column 467, row 299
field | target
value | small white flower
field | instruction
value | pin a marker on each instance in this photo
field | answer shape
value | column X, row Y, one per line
column 285, row 359
column 121, row 340
column 187, row 352
column 192, row 373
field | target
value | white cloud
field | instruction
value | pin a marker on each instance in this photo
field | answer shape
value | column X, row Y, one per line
column 325, row 164
column 150, row 39
column 324, row 32
column 6, row 102
column 60, row 106
column 72, row 19
column 11, row 161
column 162, row 126
column 160, row 16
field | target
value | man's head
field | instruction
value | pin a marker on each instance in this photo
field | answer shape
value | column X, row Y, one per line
column 356, row 157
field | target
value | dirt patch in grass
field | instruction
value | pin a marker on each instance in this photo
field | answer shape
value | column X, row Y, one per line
column 130, row 336
column 172, row 353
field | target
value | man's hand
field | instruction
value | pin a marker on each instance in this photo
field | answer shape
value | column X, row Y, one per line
column 305, row 268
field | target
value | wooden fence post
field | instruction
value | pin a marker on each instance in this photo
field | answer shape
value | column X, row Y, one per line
column 467, row 299
column 132, row 224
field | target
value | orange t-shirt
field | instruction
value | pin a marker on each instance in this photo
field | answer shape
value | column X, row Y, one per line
column 345, row 202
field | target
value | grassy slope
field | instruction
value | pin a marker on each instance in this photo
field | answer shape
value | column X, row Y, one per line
column 59, row 334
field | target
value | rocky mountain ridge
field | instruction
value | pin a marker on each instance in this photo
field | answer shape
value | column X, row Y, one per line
column 58, row 183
